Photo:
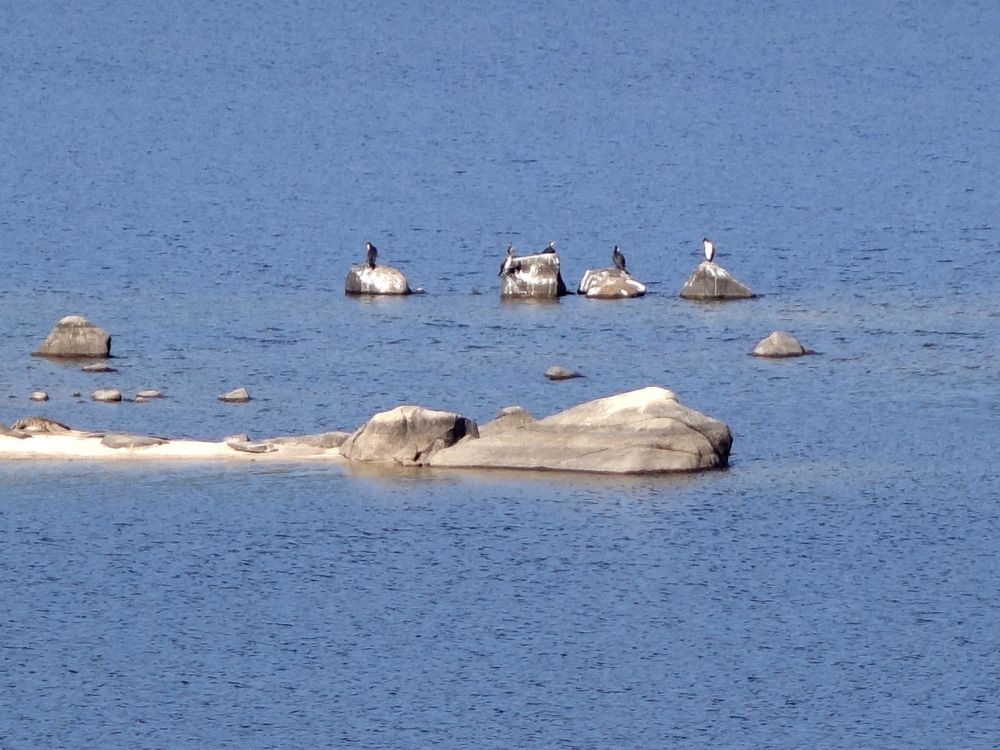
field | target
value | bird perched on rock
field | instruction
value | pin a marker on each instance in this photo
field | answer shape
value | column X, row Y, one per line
column 709, row 249
column 618, row 259
column 509, row 265
column 371, row 253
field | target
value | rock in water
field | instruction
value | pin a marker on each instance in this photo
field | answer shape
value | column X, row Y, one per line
column 406, row 435
column 98, row 367
column 558, row 372
column 609, row 283
column 39, row 396
column 640, row 432
column 378, row 280
column 780, row 344
column 711, row 281
column 236, row 396
column 107, row 395
column 533, row 277
column 75, row 336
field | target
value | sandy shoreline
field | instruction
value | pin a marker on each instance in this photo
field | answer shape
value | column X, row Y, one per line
column 88, row 446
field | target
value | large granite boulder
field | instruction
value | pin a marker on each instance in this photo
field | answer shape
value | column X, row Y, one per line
column 640, row 432
column 780, row 344
column 609, row 283
column 75, row 336
column 378, row 280
column 406, row 435
column 534, row 277
column 711, row 281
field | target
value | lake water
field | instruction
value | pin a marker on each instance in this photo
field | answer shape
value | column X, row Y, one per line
column 197, row 179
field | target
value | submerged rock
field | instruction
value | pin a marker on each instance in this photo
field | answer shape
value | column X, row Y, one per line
column 406, row 435
column 780, row 344
column 378, row 280
column 610, row 283
column 558, row 372
column 534, row 277
column 75, row 336
column 711, row 281
column 98, row 367
column 643, row 431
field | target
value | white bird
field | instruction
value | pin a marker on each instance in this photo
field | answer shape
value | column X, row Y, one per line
column 709, row 249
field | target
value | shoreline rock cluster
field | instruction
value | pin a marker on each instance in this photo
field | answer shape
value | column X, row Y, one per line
column 647, row 431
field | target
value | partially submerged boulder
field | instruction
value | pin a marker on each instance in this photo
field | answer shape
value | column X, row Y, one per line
column 533, row 277
column 106, row 395
column 236, row 396
column 75, row 336
column 640, row 432
column 711, row 282
column 609, row 283
column 363, row 279
column 406, row 435
column 780, row 344
column 558, row 372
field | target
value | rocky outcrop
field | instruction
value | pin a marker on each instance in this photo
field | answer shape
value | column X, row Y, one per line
column 75, row 336
column 713, row 282
column 780, row 344
column 379, row 280
column 406, row 435
column 640, row 432
column 609, row 283
column 533, row 277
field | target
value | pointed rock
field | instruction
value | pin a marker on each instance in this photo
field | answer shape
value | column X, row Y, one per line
column 75, row 336
column 713, row 282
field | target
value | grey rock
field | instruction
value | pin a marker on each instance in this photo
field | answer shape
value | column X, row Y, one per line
column 379, row 280
column 610, row 283
column 713, row 282
column 248, row 447
column 780, row 344
column 75, row 336
column 558, row 372
column 124, row 440
column 406, row 435
column 40, row 425
column 323, row 441
column 39, row 396
column 106, row 395
column 98, row 367
column 534, row 277
column 508, row 418
column 236, row 396
column 148, row 393
column 643, row 431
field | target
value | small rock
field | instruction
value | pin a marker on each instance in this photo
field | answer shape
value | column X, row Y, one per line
column 558, row 372
column 148, row 394
column 39, row 396
column 378, row 280
column 236, row 396
column 75, row 394
column 106, row 395
column 121, row 440
column 98, row 367
column 780, row 344
column 609, row 283
column 248, row 447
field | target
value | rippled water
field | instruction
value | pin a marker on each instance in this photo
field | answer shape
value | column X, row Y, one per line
column 197, row 180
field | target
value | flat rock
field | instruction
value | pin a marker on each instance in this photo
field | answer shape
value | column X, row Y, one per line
column 149, row 393
column 558, row 372
column 609, row 283
column 713, row 282
column 124, row 440
column 236, row 396
column 534, row 277
column 780, row 344
column 639, row 432
column 379, row 280
column 98, row 367
column 407, row 435
column 106, row 395
column 322, row 441
column 75, row 336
